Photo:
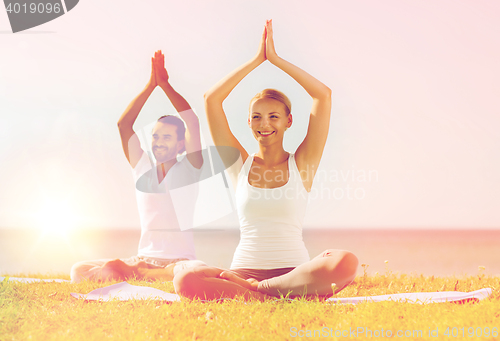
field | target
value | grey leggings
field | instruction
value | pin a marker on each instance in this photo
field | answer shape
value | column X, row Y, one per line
column 311, row 278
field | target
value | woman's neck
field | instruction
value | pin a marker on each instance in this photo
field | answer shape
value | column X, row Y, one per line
column 272, row 155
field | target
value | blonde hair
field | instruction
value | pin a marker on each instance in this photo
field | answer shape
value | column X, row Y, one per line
column 276, row 95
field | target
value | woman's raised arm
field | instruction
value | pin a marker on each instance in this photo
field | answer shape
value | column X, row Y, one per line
column 217, row 121
column 308, row 154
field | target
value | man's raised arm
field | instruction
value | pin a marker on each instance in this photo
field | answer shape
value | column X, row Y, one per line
column 192, row 137
column 130, row 142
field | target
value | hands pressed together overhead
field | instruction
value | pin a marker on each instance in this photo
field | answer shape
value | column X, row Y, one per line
column 266, row 47
column 159, row 75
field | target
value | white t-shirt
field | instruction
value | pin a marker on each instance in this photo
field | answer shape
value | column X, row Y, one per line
column 166, row 209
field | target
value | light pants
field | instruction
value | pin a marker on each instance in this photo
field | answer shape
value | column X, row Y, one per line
column 91, row 270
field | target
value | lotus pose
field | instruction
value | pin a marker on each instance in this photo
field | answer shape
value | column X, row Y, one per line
column 164, row 248
column 271, row 195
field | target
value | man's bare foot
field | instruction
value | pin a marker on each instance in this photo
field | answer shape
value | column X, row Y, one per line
column 155, row 273
column 117, row 269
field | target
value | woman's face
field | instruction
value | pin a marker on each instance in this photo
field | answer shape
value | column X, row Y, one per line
column 268, row 120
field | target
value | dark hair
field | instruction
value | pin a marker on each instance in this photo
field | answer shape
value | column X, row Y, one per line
column 176, row 121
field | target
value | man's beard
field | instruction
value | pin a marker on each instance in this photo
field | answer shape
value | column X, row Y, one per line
column 163, row 154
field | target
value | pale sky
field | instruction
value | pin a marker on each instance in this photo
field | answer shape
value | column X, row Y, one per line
column 413, row 140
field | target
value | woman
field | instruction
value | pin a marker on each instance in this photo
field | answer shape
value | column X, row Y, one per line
column 271, row 195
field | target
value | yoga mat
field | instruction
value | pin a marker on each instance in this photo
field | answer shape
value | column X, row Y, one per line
column 420, row 297
column 31, row 280
column 124, row 291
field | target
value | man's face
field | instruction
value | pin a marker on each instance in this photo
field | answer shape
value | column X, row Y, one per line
column 164, row 143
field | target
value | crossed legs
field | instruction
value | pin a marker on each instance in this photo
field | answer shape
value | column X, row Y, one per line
column 204, row 282
column 331, row 269
column 134, row 267
column 311, row 278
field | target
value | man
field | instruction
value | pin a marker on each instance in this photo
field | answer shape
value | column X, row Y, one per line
column 164, row 248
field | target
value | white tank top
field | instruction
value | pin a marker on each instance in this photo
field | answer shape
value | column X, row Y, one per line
column 270, row 222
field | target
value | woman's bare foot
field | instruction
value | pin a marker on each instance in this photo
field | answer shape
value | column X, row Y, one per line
column 251, row 283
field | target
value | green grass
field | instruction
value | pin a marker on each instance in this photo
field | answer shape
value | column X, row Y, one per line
column 46, row 311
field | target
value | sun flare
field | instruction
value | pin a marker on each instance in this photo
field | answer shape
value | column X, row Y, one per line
column 56, row 217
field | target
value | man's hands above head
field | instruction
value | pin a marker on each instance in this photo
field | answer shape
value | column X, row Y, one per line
column 152, row 80
column 161, row 73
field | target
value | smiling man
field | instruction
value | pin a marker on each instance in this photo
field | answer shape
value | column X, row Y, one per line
column 165, row 246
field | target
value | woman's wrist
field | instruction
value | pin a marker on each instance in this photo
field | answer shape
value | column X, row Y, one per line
column 257, row 60
column 276, row 60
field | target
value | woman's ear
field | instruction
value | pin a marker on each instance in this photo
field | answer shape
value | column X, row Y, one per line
column 290, row 121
